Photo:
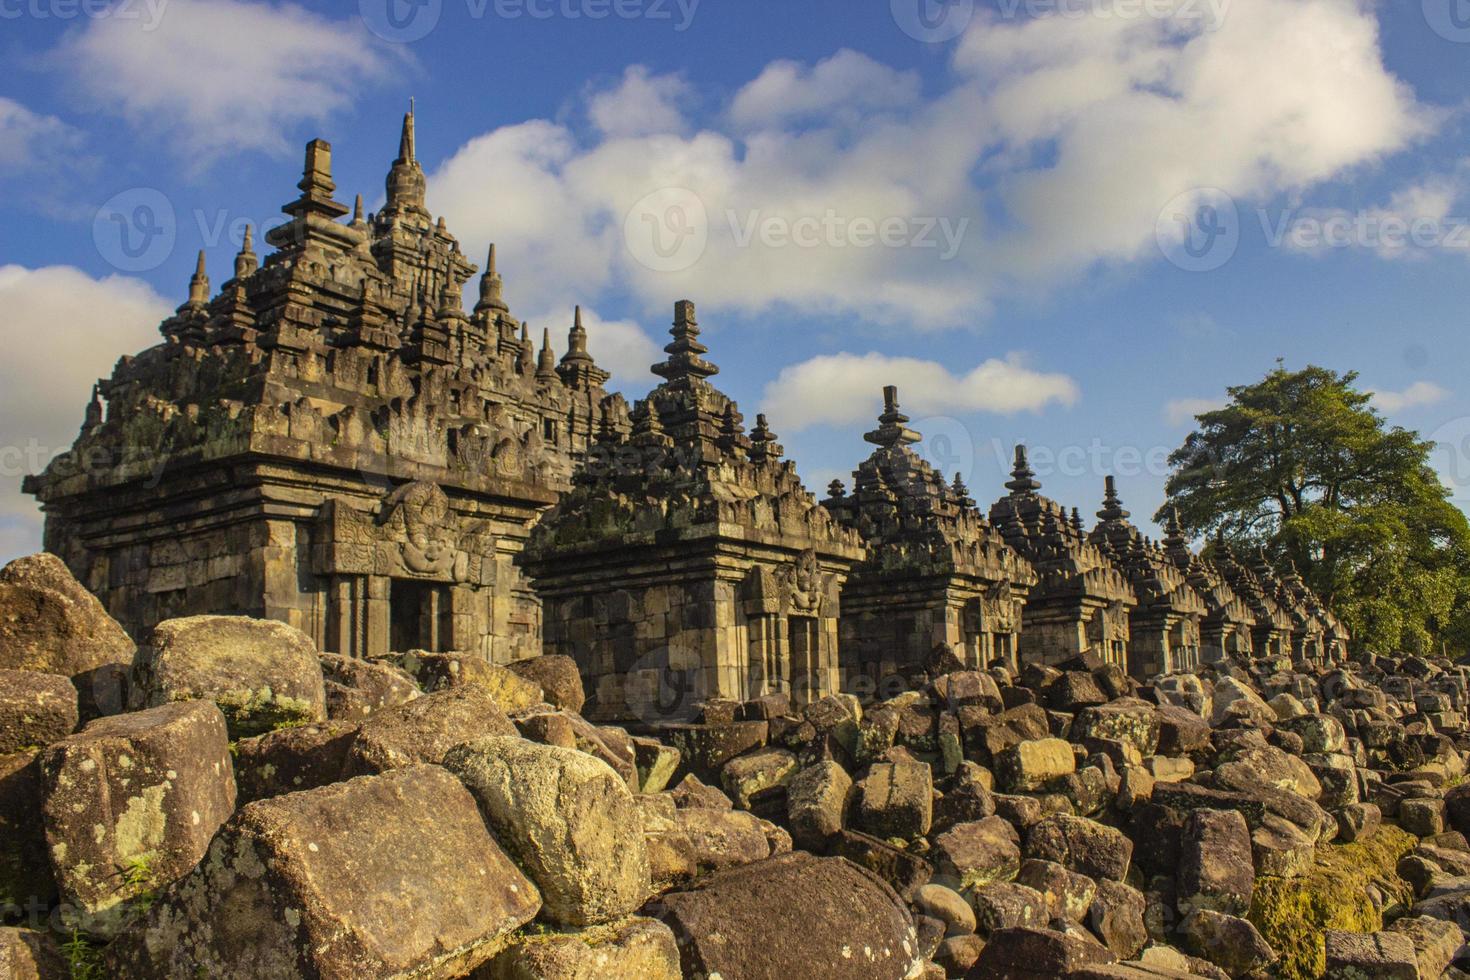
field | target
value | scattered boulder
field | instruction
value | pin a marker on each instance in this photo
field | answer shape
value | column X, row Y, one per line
column 896, row 799
column 292, row 759
column 262, row 674
column 1026, row 953
column 442, row 671
column 1216, row 869
column 567, row 818
column 424, row 729
column 817, row 799
column 1081, row 845
column 795, row 915
column 558, row 678
column 130, row 803
column 1030, row 765
column 977, row 853
column 631, row 949
column 26, row 880
column 1231, row 943
column 357, row 689
column 36, row 709
column 335, row 882
column 1381, row 955
column 28, row 954
column 50, row 623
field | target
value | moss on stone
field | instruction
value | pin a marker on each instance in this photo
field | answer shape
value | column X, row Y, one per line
column 1292, row 913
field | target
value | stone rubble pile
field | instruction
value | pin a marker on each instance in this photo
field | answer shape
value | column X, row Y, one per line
column 227, row 802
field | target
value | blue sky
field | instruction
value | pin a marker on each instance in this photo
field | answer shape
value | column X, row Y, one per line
column 1047, row 221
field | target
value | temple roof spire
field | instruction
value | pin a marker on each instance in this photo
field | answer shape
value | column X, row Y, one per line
column 199, row 284
column 893, row 427
column 245, row 261
column 686, row 362
column 1112, row 509
column 492, row 287
column 1023, row 478
column 406, row 182
column 546, row 365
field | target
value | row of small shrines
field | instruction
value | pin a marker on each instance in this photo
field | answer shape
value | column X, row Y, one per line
column 333, row 441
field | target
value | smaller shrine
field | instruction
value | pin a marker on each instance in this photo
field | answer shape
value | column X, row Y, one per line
column 1225, row 628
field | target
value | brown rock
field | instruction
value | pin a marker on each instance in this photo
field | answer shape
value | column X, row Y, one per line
column 424, row 729
column 1231, row 943
column 1381, row 955
column 1068, row 894
column 632, row 949
column 566, row 818
column 905, row 872
column 1435, row 941
column 1216, row 869
column 1081, row 845
column 795, row 915
column 36, row 709
column 723, row 838
column 340, row 882
column 1025, row 953
column 1116, row 917
column 443, row 671
column 261, row 673
column 1030, row 765
column 358, row 689
column 758, row 779
column 896, row 799
column 816, row 802
column 1006, row 905
column 976, row 853
column 292, row 759
column 50, row 623
column 560, row 682
column 26, row 954
column 130, row 804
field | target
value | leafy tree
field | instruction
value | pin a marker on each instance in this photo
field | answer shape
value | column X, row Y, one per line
column 1302, row 465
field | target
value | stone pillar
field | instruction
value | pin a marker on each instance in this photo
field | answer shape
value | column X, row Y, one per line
column 377, row 639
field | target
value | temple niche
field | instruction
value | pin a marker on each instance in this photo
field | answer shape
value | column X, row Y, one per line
column 333, row 440
column 1081, row 602
column 688, row 561
column 936, row 572
column 1164, row 628
column 1225, row 629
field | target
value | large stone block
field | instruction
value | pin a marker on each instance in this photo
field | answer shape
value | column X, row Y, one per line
column 130, row 804
column 381, row 876
column 292, row 759
column 633, row 949
column 27, row 954
column 1030, row 765
column 424, row 729
column 976, row 853
column 792, row 916
column 558, row 677
column 261, row 673
column 896, row 799
column 50, row 623
column 26, row 881
column 1216, row 863
column 1082, row 845
column 36, row 709
column 1026, row 953
column 567, row 818
column 441, row 671
column 358, row 689
column 1127, row 720
column 816, row 803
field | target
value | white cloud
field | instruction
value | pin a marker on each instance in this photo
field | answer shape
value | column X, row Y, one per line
column 1416, row 220
column 220, row 76
column 838, row 389
column 1022, row 148
column 1417, row 395
column 642, row 104
column 30, row 141
column 69, row 329
column 1181, row 411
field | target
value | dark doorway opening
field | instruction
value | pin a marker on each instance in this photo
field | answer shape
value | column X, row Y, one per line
column 408, row 610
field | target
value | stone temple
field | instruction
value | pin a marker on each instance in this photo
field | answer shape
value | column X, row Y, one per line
column 334, row 441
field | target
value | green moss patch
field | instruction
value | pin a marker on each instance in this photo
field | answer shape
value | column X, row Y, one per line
column 1292, row 913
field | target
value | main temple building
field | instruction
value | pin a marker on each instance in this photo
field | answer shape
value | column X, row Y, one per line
column 332, row 439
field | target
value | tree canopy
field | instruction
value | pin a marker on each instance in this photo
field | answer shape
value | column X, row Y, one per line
column 1302, row 465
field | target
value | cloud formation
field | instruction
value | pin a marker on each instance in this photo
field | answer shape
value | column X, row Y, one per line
column 1417, row 395
column 47, row 379
column 838, row 389
column 222, row 76
column 1181, row 411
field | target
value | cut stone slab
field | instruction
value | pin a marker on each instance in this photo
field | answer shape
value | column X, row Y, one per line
column 976, row 853
column 358, row 689
column 633, row 949
column 816, row 803
column 896, row 799
column 1216, row 863
column 292, row 759
column 1116, row 917
column 656, row 764
column 424, row 729
column 442, row 671
column 1231, row 943
column 1081, row 845
column 948, row 906
column 1030, row 765
column 758, row 777
column 343, row 881
column 36, row 709
column 1025, row 953
column 49, row 622
column 1006, row 905
column 1436, row 942
column 566, row 818
column 795, row 915
column 558, row 678
column 722, row 838
column 130, row 803
column 1126, row 720
column 1068, row 894
column 1379, row 955
column 262, row 674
